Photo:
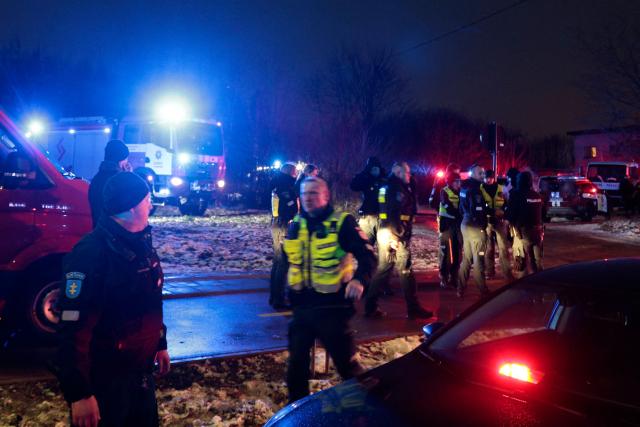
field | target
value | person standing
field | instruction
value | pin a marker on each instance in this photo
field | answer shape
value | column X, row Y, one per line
column 320, row 246
column 284, row 206
column 369, row 182
column 308, row 171
column 115, row 160
column 397, row 210
column 497, row 231
column 524, row 213
column 438, row 185
column 449, row 232
column 474, row 223
column 111, row 327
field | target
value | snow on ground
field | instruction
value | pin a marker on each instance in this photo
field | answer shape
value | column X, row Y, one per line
column 622, row 226
column 239, row 241
column 231, row 392
column 616, row 229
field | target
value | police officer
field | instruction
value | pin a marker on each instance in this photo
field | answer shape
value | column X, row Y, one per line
column 474, row 223
column 438, row 185
column 116, row 154
column 308, row 171
column 524, row 213
column 284, row 206
column 449, row 232
column 111, row 328
column 320, row 246
column 497, row 228
column 397, row 210
column 369, row 182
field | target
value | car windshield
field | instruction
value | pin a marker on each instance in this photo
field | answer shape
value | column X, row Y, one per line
column 607, row 172
column 188, row 137
column 581, row 340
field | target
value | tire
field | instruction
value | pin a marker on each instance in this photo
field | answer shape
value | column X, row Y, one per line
column 41, row 316
column 193, row 206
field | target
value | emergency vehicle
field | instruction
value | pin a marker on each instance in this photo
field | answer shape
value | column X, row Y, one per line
column 608, row 176
column 183, row 162
column 44, row 211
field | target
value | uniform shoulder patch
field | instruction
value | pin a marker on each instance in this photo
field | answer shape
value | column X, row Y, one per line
column 74, row 284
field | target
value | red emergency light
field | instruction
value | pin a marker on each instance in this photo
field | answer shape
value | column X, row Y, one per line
column 520, row 372
column 440, row 174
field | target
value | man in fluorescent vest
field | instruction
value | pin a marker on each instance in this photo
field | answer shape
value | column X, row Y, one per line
column 449, row 232
column 497, row 228
column 320, row 246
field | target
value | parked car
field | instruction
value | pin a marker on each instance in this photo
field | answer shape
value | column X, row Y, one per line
column 570, row 197
column 559, row 347
column 44, row 211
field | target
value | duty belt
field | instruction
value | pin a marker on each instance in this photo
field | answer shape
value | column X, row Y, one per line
column 405, row 217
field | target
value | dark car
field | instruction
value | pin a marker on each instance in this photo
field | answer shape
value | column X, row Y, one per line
column 556, row 348
column 569, row 197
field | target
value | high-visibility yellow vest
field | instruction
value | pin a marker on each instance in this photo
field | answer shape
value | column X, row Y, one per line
column 497, row 201
column 382, row 203
column 317, row 260
column 275, row 204
column 453, row 198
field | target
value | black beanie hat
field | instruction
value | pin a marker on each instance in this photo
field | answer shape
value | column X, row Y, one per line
column 122, row 192
column 116, row 151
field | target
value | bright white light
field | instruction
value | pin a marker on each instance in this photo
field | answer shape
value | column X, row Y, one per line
column 36, row 127
column 72, row 131
column 150, row 178
column 299, row 166
column 28, row 134
column 176, row 181
column 220, row 183
column 219, row 124
column 106, row 130
column 184, row 158
column 164, row 192
column 172, row 111
column 277, row 164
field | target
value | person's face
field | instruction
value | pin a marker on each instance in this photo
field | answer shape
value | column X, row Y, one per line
column 403, row 173
column 375, row 171
column 456, row 185
column 477, row 173
column 142, row 211
column 315, row 197
column 489, row 181
column 125, row 165
column 314, row 172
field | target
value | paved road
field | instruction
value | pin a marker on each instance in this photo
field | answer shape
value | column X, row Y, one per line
column 227, row 314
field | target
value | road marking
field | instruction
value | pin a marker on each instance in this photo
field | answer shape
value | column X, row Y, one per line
column 276, row 314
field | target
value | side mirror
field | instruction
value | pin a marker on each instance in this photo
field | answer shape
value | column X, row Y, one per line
column 431, row 328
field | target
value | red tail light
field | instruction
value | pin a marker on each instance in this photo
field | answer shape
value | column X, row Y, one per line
column 520, row 372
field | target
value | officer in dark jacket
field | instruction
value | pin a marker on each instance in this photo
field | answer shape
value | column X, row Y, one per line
column 497, row 229
column 369, row 182
column 284, row 206
column 320, row 247
column 116, row 153
column 449, row 232
column 524, row 213
column 111, row 328
column 474, row 223
column 439, row 183
column 397, row 210
column 308, row 171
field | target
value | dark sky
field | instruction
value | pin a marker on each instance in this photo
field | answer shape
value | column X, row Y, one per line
column 519, row 68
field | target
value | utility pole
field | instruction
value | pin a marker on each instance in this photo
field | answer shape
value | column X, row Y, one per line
column 489, row 140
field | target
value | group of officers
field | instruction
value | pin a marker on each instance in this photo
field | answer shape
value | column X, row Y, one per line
column 479, row 214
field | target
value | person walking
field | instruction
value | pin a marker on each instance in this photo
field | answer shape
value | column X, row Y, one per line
column 320, row 246
column 284, row 206
column 111, row 322
column 397, row 210
column 449, row 232
column 497, row 231
column 524, row 213
column 116, row 154
column 474, row 223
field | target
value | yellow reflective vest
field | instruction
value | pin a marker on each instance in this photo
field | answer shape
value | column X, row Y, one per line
column 498, row 199
column 455, row 201
column 317, row 261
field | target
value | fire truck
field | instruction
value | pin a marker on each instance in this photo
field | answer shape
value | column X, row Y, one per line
column 183, row 161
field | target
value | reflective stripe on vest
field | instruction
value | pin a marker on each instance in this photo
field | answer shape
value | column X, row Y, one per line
column 318, row 262
column 497, row 201
column 382, row 202
column 453, row 198
column 275, row 204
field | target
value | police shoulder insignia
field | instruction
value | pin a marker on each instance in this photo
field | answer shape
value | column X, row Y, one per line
column 74, row 284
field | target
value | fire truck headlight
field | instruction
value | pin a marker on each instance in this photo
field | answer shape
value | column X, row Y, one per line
column 220, row 183
column 172, row 111
column 277, row 164
column 176, row 181
column 36, row 127
column 184, row 158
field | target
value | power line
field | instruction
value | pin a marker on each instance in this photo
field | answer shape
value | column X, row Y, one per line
column 464, row 27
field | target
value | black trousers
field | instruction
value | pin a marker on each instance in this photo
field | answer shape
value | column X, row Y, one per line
column 127, row 400
column 279, row 267
column 331, row 326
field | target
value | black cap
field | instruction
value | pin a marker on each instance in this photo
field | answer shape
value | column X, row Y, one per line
column 123, row 191
column 451, row 177
column 489, row 174
column 116, row 151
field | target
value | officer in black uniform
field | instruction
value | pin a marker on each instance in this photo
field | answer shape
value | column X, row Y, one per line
column 524, row 213
column 369, row 182
column 474, row 223
column 116, row 154
column 320, row 247
column 497, row 229
column 111, row 328
column 397, row 210
column 284, row 206
column 449, row 232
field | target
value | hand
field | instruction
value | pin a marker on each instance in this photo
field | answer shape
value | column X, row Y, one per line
column 354, row 290
column 164, row 363
column 85, row 412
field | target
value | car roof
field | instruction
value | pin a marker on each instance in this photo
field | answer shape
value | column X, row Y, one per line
column 617, row 274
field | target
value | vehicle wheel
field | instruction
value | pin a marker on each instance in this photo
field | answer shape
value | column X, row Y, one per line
column 195, row 207
column 42, row 316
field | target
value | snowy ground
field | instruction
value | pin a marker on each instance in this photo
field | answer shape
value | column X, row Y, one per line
column 618, row 228
column 239, row 241
column 233, row 392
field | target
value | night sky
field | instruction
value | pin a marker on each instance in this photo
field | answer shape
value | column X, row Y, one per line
column 520, row 67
